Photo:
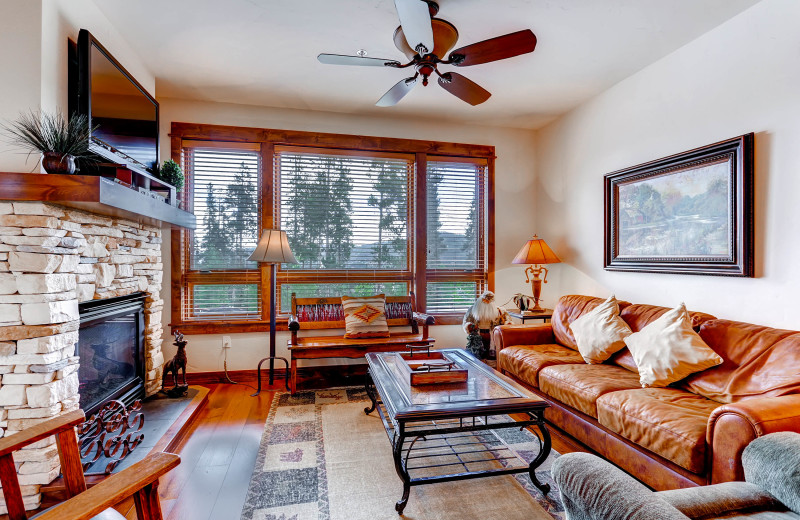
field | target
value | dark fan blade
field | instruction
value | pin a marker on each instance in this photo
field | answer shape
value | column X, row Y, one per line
column 415, row 18
column 464, row 88
column 338, row 59
column 500, row 48
column 397, row 92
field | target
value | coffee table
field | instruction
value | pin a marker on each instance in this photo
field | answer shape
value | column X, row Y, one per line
column 448, row 432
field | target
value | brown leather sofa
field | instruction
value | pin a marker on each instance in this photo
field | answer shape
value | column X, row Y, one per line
column 690, row 433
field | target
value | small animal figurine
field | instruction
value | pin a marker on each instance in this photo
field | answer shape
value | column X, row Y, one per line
column 174, row 365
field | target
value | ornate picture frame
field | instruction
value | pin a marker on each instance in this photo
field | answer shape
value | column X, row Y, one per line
column 689, row 213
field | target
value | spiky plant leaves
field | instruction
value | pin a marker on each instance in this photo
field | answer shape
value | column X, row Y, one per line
column 50, row 132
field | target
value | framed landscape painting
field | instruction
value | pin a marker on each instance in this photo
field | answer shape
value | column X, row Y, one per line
column 690, row 213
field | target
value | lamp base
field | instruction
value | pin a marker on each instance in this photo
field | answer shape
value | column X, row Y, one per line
column 536, row 284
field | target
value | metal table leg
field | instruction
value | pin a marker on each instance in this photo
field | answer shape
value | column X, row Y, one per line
column 544, row 452
column 369, row 386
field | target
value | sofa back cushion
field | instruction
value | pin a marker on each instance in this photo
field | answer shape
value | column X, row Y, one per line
column 638, row 316
column 758, row 362
column 568, row 309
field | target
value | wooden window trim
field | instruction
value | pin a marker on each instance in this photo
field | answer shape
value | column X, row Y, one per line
column 268, row 140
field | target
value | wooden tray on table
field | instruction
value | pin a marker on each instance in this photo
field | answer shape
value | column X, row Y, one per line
column 428, row 368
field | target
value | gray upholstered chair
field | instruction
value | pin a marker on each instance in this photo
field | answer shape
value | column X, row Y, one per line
column 593, row 489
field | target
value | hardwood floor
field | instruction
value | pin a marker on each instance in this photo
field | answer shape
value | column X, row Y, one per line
column 217, row 458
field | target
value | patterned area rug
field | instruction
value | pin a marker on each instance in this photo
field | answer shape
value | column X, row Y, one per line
column 322, row 458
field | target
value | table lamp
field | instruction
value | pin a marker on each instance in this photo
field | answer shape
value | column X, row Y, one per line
column 536, row 252
column 273, row 248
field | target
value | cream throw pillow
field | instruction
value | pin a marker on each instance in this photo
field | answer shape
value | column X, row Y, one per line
column 365, row 317
column 600, row 332
column 668, row 349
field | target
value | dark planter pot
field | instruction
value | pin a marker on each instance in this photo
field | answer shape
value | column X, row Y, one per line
column 55, row 162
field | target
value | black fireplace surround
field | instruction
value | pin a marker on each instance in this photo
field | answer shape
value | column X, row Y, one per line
column 111, row 350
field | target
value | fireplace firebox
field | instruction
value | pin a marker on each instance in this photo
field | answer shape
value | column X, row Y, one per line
column 111, row 350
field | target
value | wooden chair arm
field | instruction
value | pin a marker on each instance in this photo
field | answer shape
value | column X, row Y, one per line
column 294, row 323
column 40, row 431
column 426, row 319
column 114, row 489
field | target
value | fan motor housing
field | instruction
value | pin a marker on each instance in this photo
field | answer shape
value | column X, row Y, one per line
column 445, row 36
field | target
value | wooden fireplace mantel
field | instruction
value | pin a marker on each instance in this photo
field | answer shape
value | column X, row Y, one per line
column 94, row 194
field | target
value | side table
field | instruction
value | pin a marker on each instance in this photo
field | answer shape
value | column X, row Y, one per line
column 543, row 315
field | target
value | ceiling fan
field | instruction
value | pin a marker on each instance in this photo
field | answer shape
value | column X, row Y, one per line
column 425, row 40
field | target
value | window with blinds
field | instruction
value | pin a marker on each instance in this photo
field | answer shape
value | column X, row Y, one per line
column 393, row 218
column 219, row 281
column 456, row 250
column 348, row 218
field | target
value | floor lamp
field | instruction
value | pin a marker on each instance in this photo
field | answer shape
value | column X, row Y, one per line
column 273, row 248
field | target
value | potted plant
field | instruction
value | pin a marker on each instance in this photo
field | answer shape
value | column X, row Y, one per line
column 171, row 173
column 60, row 140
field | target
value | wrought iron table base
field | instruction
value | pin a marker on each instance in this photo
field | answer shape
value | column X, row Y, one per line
column 409, row 439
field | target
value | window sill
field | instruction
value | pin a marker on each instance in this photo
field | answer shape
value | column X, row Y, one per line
column 226, row 327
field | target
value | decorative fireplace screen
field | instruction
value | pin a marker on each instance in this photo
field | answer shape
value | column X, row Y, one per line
column 111, row 348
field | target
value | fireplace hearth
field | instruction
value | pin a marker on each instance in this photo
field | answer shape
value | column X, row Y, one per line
column 111, row 350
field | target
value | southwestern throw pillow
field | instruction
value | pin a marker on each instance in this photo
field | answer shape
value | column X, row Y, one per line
column 600, row 332
column 365, row 317
column 668, row 349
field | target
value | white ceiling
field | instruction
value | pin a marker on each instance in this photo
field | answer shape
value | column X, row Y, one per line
column 263, row 52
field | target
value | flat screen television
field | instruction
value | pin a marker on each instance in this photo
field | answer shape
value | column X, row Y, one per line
column 126, row 116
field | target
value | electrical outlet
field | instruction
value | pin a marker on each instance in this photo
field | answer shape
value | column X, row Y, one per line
column 226, row 342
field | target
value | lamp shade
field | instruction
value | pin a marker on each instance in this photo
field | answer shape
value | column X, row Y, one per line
column 273, row 248
column 536, row 251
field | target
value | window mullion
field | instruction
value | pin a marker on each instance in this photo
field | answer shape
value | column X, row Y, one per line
column 421, row 232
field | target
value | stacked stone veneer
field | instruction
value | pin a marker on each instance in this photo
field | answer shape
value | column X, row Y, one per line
column 51, row 258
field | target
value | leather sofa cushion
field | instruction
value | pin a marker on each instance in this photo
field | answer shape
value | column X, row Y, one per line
column 758, row 362
column 579, row 386
column 638, row 316
column 667, row 421
column 525, row 361
column 568, row 309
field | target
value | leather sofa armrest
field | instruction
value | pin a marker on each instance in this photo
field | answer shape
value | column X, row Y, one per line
column 508, row 335
column 593, row 489
column 731, row 427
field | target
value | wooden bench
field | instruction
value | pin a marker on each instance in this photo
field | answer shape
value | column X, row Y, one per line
column 327, row 313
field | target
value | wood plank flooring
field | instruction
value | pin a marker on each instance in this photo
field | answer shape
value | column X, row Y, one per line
column 217, row 458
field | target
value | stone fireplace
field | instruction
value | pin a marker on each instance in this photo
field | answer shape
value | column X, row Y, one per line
column 54, row 261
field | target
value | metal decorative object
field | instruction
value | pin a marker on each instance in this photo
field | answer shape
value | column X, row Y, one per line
column 174, row 365
column 113, row 432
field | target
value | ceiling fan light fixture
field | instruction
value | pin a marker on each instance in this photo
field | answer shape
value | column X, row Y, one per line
column 426, row 40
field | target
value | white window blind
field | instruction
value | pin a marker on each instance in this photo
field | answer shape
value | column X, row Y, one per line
column 456, row 250
column 348, row 220
column 226, row 202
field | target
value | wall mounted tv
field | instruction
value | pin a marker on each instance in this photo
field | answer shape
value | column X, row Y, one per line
column 126, row 116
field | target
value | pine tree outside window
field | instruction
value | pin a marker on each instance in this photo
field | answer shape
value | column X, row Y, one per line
column 348, row 220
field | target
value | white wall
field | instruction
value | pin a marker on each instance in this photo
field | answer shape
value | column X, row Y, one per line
column 33, row 58
column 741, row 77
column 514, row 188
column 20, row 86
